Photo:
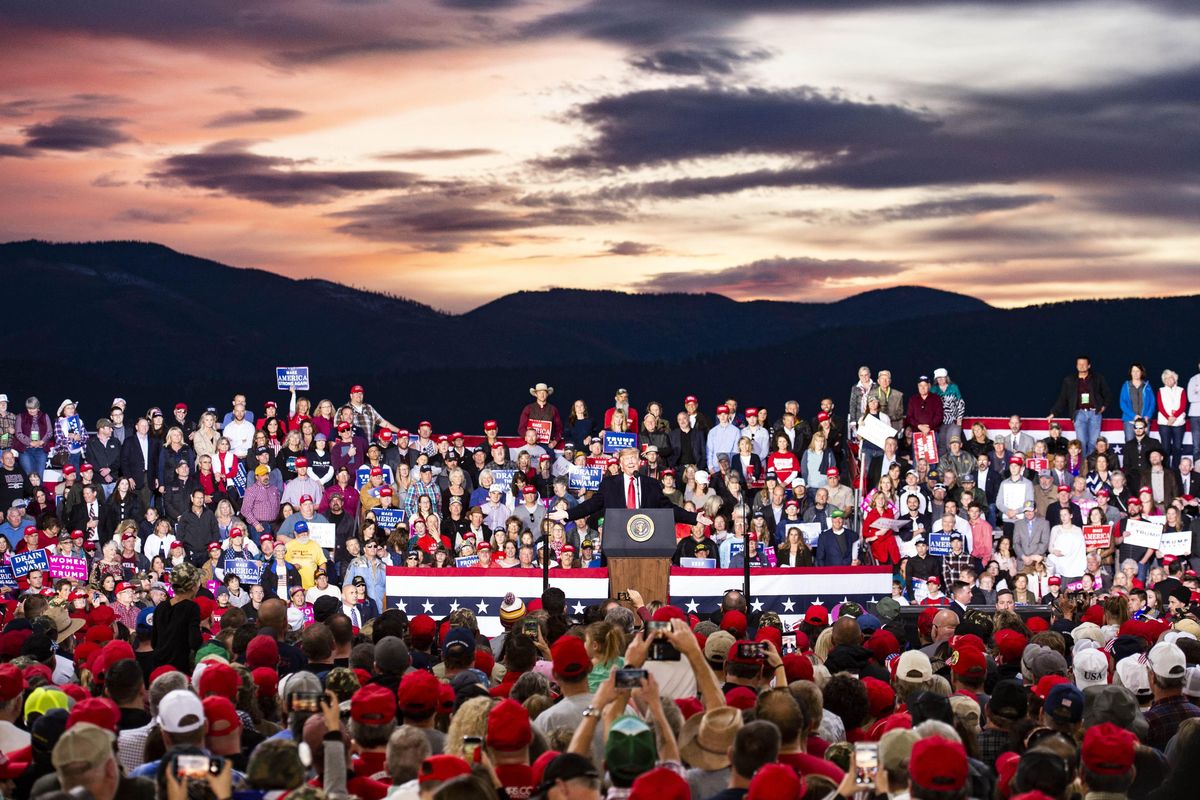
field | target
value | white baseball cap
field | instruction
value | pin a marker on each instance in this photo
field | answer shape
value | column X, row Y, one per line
column 1167, row 660
column 1132, row 674
column 180, row 712
column 941, row 372
column 1091, row 669
column 1191, row 684
column 702, row 477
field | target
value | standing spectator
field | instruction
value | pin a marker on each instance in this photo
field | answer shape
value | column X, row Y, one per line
column 103, row 452
column 580, row 426
column 139, row 460
column 954, row 408
column 1083, row 397
column 621, row 403
column 541, row 410
column 35, row 437
column 1137, row 399
column 1166, row 667
column 859, row 393
column 925, row 412
column 8, row 424
column 260, row 506
column 688, row 443
column 1172, row 415
column 891, row 401
column 1193, row 397
column 239, row 428
column 722, row 439
column 365, row 417
column 70, row 435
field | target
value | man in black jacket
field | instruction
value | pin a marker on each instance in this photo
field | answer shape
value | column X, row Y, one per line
column 139, row 460
column 629, row 490
column 197, row 528
column 103, row 452
column 1083, row 398
column 1135, row 456
column 687, row 443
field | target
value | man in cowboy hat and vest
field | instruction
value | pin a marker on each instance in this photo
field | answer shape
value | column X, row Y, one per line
column 541, row 410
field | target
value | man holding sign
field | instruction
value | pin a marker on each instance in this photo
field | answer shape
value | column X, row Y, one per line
column 541, row 416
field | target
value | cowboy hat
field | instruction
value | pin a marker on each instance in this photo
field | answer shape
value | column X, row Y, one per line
column 64, row 625
column 541, row 387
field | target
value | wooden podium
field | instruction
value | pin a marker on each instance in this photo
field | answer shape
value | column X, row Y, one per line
column 638, row 544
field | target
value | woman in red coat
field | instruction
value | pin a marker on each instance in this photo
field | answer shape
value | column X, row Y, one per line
column 783, row 462
column 882, row 540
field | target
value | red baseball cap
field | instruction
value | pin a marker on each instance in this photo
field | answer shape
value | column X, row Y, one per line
column 832, row 472
column 301, row 462
column 570, row 658
column 490, row 425
column 376, row 471
column 968, row 662
column 214, row 546
column 373, row 705
column 384, row 433
column 99, row 711
column 418, row 693
column 1064, row 488
column 386, row 491
column 85, row 467
column 528, row 489
column 1108, row 750
column 508, row 727
column 69, row 469
column 1054, row 580
column 355, row 389
column 12, row 682
column 1016, row 460
column 822, row 416
column 816, row 615
column 662, row 783
column 424, row 424
column 344, row 426
column 751, row 412
column 181, row 405
column 271, row 404
column 734, row 622
column 266, row 680
column 691, row 398
column 442, row 768
column 722, row 409
column 938, row 765
column 219, row 679
column 123, row 585
column 305, row 498
column 221, row 715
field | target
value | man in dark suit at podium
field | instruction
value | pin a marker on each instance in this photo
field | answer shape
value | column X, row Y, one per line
column 629, row 490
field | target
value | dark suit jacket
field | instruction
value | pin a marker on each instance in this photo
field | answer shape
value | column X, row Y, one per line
column 612, row 495
column 875, row 472
column 132, row 465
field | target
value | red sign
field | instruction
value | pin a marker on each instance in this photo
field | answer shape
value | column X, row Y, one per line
column 925, row 446
column 1037, row 464
column 542, row 426
column 1097, row 537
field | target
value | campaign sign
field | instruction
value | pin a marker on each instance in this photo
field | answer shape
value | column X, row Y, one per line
column 239, row 480
column 1175, row 543
column 390, row 518
column 584, row 478
column 323, row 533
column 1097, row 537
column 1142, row 533
column 925, row 446
column 920, row 590
column 247, row 570
column 67, row 567
column 363, row 474
column 7, row 579
column 809, row 531
column 309, row 615
column 875, row 431
column 466, row 561
column 939, row 542
column 1037, row 463
column 291, row 378
column 698, row 563
column 504, row 478
column 23, row 563
column 543, row 427
column 615, row 442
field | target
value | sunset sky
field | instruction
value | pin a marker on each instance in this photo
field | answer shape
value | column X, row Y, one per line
column 454, row 151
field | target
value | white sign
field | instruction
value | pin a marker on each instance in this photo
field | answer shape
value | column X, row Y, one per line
column 322, row 533
column 1142, row 533
column 1175, row 543
column 875, row 431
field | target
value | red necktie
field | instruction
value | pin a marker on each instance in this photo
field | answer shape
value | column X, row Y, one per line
column 631, row 499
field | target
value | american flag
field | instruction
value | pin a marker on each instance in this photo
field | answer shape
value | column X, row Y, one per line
column 787, row 592
column 440, row 593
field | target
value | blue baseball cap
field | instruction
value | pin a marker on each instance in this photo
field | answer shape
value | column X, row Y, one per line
column 301, row 527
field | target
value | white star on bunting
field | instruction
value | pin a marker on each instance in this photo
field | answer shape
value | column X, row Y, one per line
column 693, row 607
column 577, row 608
column 428, row 606
column 788, row 605
column 756, row 605
column 454, row 607
column 403, row 606
column 482, row 606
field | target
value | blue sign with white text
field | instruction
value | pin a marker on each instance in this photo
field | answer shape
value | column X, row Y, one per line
column 584, row 478
column 23, row 563
column 615, row 442
column 390, row 518
column 291, row 378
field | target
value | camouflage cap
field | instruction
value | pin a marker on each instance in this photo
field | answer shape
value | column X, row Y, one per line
column 464, row 618
column 185, row 577
column 770, row 618
column 342, row 682
column 307, row 792
column 275, row 764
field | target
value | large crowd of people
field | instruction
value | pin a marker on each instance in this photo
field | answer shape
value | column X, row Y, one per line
column 196, row 605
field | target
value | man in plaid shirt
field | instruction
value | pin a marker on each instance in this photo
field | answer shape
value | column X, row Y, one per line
column 425, row 486
column 366, row 418
column 956, row 560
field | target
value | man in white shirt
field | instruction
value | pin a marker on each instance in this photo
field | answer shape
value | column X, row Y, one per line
column 350, row 604
column 758, row 435
column 239, row 431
